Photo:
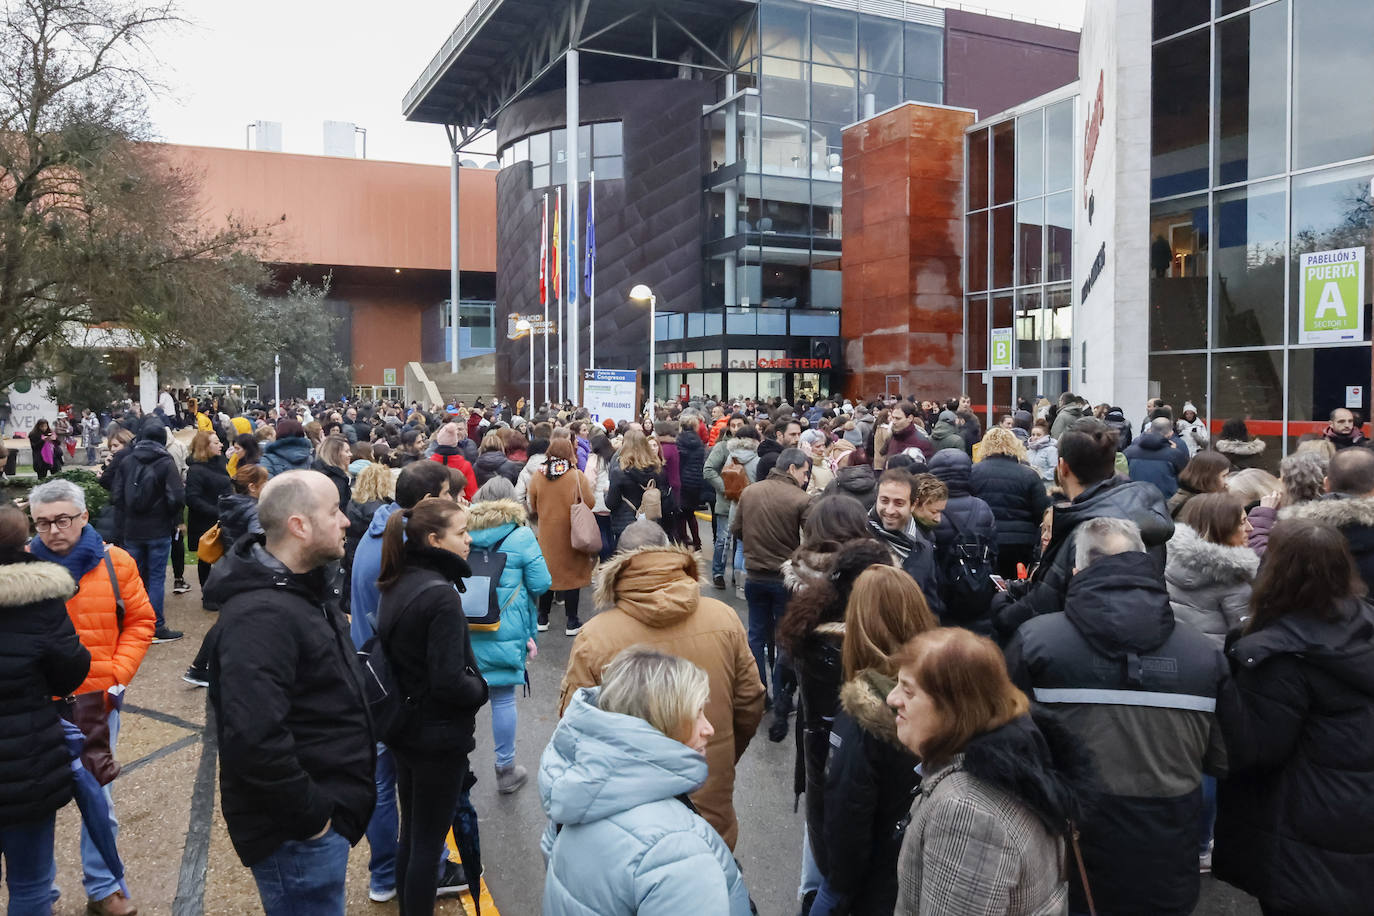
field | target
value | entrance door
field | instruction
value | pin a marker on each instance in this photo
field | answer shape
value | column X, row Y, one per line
column 892, row 385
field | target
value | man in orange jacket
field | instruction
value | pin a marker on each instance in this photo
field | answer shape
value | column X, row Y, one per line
column 106, row 577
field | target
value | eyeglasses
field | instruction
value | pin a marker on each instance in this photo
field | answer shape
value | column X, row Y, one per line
column 60, row 522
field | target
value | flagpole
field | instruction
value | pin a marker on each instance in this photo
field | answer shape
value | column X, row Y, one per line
column 591, row 270
column 558, row 284
column 544, row 268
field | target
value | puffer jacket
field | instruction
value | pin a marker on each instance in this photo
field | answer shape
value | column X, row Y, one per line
column 339, row 478
column 1294, row 818
column 1138, row 692
column 1353, row 516
column 40, row 657
column 206, row 482
column 626, row 490
column 857, row 481
column 1243, row 454
column 946, row 435
column 501, row 653
column 238, row 515
column 1044, row 592
column 691, row 463
column 1044, row 458
column 489, row 464
column 869, row 780
column 291, row 453
column 454, row 457
column 1066, row 417
column 745, row 451
column 620, row 838
column 1209, row 584
column 1015, row 494
column 115, row 654
column 986, row 828
column 965, row 517
column 653, row 598
column 1157, row 460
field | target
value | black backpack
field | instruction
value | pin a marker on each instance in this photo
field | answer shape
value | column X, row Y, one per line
column 481, row 606
column 143, row 486
column 392, row 708
column 966, row 570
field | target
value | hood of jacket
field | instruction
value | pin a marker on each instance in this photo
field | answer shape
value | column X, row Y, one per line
column 377, row 526
column 865, row 699
column 742, row 450
column 490, row 461
column 805, row 567
column 769, row 447
column 1238, row 447
column 494, row 513
column 149, row 452
column 1120, row 605
column 1335, row 509
column 1039, row 762
column 1195, row 562
column 293, row 450
column 953, row 467
column 1344, row 648
column 599, row 764
column 944, row 428
column 1151, row 442
column 658, row 586
column 857, row 480
column 30, row 580
column 247, row 566
column 1140, row 502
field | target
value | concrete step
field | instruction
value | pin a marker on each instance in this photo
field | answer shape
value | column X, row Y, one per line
column 476, row 378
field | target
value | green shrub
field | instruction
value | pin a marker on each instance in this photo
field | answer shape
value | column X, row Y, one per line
column 97, row 497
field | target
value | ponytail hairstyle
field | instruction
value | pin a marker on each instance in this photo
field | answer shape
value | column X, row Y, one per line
column 408, row 530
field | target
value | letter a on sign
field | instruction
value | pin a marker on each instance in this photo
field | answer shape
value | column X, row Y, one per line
column 1331, row 295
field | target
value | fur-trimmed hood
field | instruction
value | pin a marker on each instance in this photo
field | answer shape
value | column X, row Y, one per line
column 865, row 699
column 1237, row 447
column 1196, row 563
column 494, row 513
column 805, row 567
column 658, row 586
column 1335, row 509
column 28, row 582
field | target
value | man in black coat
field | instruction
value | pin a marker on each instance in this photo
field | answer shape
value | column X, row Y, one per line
column 296, row 744
column 1348, row 505
column 1087, row 469
column 150, row 500
column 1141, row 694
column 785, row 435
column 1156, row 458
column 893, row 521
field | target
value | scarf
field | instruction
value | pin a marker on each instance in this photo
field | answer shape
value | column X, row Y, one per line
column 86, row 555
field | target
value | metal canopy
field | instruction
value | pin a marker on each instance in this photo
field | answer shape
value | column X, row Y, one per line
column 504, row 50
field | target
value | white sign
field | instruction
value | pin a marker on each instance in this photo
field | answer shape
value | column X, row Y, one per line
column 1354, row 396
column 314, row 394
column 609, row 394
column 1331, row 296
column 29, row 403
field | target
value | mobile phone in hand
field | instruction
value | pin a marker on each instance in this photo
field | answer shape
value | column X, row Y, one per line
column 999, row 582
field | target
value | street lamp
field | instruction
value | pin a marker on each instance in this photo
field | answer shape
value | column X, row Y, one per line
column 524, row 325
column 640, row 293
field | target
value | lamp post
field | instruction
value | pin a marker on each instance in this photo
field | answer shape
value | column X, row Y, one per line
column 524, row 325
column 641, row 293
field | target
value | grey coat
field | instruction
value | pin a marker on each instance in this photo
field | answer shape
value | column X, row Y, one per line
column 1209, row 584
column 746, row 451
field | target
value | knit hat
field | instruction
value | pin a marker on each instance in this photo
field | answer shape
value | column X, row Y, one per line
column 1187, row 406
column 153, row 432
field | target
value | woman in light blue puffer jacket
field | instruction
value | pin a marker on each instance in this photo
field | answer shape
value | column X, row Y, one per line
column 623, row 837
column 496, row 518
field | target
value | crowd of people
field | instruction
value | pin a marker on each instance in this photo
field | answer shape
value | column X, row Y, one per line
column 1066, row 664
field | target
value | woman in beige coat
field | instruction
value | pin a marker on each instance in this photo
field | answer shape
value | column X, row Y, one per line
column 553, row 490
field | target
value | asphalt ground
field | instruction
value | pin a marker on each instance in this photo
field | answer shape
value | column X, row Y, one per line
column 178, row 855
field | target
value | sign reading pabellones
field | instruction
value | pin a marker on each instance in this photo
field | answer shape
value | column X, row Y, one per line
column 1331, row 296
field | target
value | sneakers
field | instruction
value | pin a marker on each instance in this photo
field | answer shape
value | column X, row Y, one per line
column 114, row 905
column 573, row 628
column 453, row 881
column 718, row 582
column 180, row 587
column 543, row 622
column 510, row 779
column 386, row 896
column 197, row 677
column 1204, row 861
column 166, row 634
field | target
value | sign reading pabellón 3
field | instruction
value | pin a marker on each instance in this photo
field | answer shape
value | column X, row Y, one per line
column 1331, row 295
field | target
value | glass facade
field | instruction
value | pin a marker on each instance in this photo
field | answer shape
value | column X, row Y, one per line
column 601, row 145
column 773, row 172
column 1262, row 152
column 1018, row 257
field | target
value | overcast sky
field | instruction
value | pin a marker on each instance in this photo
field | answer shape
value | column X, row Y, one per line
column 302, row 62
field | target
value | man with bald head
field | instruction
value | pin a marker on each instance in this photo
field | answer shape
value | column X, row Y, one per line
column 1348, row 505
column 296, row 749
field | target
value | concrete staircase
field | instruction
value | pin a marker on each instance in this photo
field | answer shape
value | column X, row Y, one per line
column 475, row 378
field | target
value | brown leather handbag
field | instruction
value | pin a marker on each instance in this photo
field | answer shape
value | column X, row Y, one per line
column 90, row 711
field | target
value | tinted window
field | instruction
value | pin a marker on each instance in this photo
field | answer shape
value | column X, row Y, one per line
column 1252, row 94
column 1333, row 72
column 1178, row 126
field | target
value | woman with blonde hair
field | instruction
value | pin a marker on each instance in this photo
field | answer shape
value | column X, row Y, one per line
column 870, row 775
column 374, row 488
column 1252, row 485
column 332, row 457
column 622, row 837
column 637, row 467
column 986, row 831
column 1015, row 494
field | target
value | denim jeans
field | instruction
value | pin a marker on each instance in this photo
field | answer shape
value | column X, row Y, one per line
column 1209, row 813
column 304, row 877
column 811, row 878
column 767, row 600
column 828, row 900
column 100, row 882
column 385, row 826
column 503, row 720
column 720, row 525
column 151, row 557
column 29, row 865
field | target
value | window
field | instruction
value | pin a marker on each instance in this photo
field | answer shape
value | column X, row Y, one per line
column 784, row 29
column 1179, row 112
column 1030, row 154
column 1318, row 377
column 1172, row 16
column 1030, row 231
column 880, row 45
column 1248, row 287
column 600, row 144
column 924, row 52
column 1004, row 162
column 784, row 89
column 1181, row 378
column 833, row 94
column 1178, row 274
column 477, row 320
column 1003, row 246
column 1059, row 158
column 1030, row 320
column 886, row 90
column 1332, row 119
column 977, row 170
column 1332, row 209
column 976, row 335
column 977, row 258
column 1058, row 328
column 1249, row 383
column 834, row 40
column 1059, row 237
column 1252, row 94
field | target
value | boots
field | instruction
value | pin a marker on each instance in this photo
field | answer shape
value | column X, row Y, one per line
column 511, row 778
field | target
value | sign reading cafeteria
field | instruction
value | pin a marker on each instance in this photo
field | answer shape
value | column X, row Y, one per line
column 1331, row 295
